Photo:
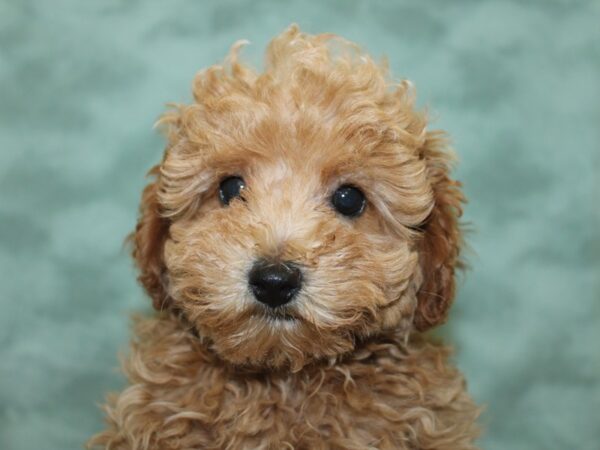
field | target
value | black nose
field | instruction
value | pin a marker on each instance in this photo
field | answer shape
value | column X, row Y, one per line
column 274, row 283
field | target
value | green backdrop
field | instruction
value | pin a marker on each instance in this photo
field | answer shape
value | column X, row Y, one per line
column 517, row 84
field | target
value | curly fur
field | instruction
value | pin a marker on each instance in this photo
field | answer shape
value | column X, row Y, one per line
column 350, row 371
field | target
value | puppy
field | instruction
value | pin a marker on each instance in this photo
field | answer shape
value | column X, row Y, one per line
column 298, row 236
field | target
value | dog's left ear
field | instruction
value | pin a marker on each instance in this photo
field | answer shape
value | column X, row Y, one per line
column 148, row 244
column 442, row 239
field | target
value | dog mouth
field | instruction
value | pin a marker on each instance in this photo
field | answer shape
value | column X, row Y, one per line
column 280, row 314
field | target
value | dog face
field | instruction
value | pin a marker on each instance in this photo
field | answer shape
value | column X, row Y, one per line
column 299, row 210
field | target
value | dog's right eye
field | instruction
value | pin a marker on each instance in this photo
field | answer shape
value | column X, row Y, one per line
column 230, row 188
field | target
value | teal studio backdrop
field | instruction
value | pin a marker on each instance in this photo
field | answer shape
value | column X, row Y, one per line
column 517, row 85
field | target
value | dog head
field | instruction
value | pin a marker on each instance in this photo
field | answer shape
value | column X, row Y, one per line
column 302, row 209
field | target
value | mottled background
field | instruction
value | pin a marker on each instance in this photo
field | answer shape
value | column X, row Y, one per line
column 516, row 83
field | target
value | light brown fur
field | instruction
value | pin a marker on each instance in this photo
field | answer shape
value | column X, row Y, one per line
column 350, row 371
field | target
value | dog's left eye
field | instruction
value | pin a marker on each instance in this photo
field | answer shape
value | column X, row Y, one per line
column 230, row 188
column 349, row 201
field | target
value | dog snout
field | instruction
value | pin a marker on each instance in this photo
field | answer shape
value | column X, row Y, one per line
column 274, row 283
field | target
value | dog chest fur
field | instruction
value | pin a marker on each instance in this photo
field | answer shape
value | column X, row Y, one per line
column 386, row 395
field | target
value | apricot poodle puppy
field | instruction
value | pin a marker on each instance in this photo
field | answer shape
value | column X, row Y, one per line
column 299, row 234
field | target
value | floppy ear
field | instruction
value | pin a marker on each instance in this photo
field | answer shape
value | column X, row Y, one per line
column 442, row 239
column 148, row 243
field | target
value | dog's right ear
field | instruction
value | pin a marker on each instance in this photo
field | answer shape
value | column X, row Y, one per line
column 148, row 241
